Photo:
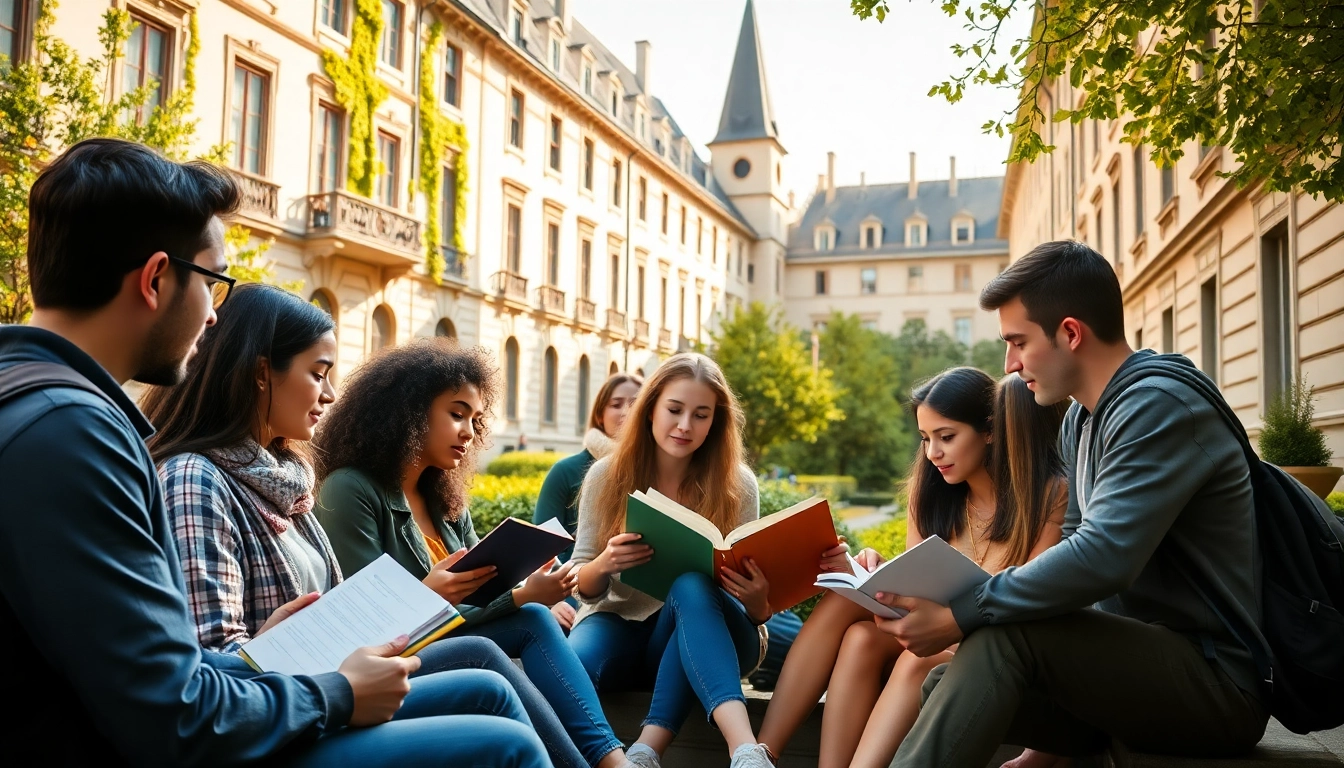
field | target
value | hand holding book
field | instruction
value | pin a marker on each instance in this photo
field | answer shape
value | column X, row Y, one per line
column 751, row 589
column 455, row 586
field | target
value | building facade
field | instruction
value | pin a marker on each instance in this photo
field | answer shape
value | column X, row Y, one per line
column 1247, row 283
column 892, row 253
column 593, row 236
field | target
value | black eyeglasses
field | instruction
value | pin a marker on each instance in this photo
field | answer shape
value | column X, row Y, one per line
column 220, row 285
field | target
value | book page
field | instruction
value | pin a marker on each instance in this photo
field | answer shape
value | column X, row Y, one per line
column 746, row 529
column 374, row 606
column 931, row 570
column 687, row 517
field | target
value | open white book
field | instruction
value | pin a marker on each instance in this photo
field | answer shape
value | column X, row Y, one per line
column 931, row 570
column 380, row 602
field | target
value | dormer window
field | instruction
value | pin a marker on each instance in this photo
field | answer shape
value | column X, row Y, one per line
column 516, row 24
column 916, row 232
column 823, row 237
column 870, row 233
column 587, row 77
column 555, row 54
column 963, row 229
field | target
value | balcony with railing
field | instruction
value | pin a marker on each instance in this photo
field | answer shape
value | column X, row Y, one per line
column 509, row 287
column 641, row 332
column 615, row 324
column 551, row 301
column 665, row 339
column 454, row 266
column 585, row 313
column 259, row 198
column 364, row 229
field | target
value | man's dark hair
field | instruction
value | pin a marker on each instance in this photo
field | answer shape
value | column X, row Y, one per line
column 1060, row 279
column 104, row 207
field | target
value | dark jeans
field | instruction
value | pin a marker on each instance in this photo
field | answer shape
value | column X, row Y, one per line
column 469, row 718
column 532, row 634
column 1068, row 685
column 698, row 645
column 454, row 653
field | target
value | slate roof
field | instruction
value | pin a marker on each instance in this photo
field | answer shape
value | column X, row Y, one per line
column 890, row 203
column 605, row 64
column 747, row 113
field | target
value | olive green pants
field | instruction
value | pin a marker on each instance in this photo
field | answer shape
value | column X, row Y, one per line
column 1068, row 685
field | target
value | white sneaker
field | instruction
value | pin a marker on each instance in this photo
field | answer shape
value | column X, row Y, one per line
column 641, row 756
column 751, row 756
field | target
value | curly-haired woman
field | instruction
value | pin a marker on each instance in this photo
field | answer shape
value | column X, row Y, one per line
column 395, row 455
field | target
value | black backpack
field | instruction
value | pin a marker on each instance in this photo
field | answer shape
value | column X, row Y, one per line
column 1301, row 655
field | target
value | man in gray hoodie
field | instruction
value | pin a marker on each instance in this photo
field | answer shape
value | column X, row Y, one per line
column 1101, row 636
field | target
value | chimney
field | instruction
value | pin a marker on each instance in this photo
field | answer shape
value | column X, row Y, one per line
column 643, row 64
column 863, row 178
column 821, row 182
column 830, row 176
column 565, row 13
column 952, row 179
column 914, row 181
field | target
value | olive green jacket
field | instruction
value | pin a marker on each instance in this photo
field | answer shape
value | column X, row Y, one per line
column 363, row 520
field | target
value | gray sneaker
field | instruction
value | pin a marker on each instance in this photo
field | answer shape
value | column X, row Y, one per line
column 641, row 756
column 751, row 756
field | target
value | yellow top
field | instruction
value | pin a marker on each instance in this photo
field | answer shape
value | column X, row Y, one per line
column 436, row 549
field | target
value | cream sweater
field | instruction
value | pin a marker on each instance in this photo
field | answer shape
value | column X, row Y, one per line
column 628, row 602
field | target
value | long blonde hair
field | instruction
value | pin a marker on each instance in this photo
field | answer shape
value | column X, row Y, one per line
column 713, row 485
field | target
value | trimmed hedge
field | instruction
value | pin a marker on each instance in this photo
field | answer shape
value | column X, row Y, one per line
column 888, row 538
column 524, row 463
column 494, row 497
column 1336, row 502
column 872, row 499
column 833, row 488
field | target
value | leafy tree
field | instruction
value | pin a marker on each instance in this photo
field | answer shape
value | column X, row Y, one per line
column 988, row 356
column 770, row 369
column 247, row 262
column 1267, row 83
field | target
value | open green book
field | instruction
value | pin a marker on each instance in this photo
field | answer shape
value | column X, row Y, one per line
column 786, row 546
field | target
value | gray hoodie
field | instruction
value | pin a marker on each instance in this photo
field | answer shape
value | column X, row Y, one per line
column 1165, row 478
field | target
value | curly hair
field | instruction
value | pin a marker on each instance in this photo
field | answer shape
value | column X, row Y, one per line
column 379, row 423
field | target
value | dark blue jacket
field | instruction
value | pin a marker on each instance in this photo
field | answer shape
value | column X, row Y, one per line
column 101, row 663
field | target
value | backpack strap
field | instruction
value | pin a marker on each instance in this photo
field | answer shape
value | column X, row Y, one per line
column 21, row 378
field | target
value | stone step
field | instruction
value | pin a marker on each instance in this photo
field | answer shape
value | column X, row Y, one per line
column 1278, row 747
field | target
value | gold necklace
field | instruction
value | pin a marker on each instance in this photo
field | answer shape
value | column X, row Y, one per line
column 970, row 527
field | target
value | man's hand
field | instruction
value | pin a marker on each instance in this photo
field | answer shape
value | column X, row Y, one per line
column 546, row 587
column 834, row 560
column 287, row 610
column 564, row 614
column 927, row 628
column 751, row 589
column 453, row 587
column 379, row 679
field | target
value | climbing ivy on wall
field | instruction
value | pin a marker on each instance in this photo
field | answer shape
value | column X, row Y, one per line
column 439, row 134
column 359, row 91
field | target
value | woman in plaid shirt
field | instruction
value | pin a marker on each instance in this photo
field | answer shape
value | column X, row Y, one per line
column 232, row 452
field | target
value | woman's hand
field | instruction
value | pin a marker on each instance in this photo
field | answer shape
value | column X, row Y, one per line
column 287, row 610
column 564, row 614
column 835, row 560
column 751, row 589
column 453, row 587
column 546, row 587
column 869, row 559
column 623, row 552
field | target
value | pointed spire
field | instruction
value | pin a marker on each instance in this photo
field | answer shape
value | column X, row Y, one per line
column 746, row 107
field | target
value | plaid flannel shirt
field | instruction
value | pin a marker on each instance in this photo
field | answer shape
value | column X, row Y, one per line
column 237, row 572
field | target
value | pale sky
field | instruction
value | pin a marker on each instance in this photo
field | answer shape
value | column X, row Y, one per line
column 857, row 88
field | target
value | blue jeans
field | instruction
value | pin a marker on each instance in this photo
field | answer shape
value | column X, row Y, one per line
column 456, row 652
column 533, row 635
column 698, row 645
column 470, row 718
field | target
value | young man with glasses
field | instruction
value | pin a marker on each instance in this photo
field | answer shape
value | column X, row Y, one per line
column 126, row 261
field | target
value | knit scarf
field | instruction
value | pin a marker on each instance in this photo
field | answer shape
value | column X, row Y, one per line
column 597, row 443
column 281, row 487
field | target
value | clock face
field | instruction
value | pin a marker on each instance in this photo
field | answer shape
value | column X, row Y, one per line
column 741, row 168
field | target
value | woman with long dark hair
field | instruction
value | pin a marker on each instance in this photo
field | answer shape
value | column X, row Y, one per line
column 231, row 445
column 396, row 455
column 988, row 480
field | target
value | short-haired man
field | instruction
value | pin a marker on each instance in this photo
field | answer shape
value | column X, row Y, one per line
column 126, row 261
column 1158, row 485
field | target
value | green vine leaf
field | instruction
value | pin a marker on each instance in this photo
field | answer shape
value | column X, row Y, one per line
column 359, row 91
column 438, row 134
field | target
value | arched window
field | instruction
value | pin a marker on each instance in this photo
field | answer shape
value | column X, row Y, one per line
column 550, row 376
column 511, row 379
column 613, row 369
column 446, row 328
column 585, row 373
column 384, row 327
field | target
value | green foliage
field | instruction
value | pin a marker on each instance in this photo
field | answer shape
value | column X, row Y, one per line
column 833, row 488
column 771, row 371
column 55, row 99
column 1288, row 438
column 888, row 539
column 873, row 498
column 439, row 133
column 493, row 498
column 247, row 262
column 523, row 464
column 988, row 356
column 779, row 494
column 359, row 91
column 1335, row 502
column 1269, row 87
